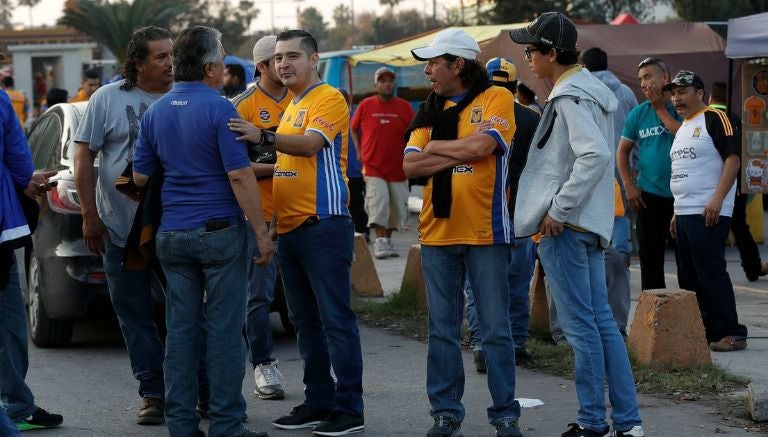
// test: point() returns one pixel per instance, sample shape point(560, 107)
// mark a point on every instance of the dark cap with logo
point(550, 28)
point(685, 78)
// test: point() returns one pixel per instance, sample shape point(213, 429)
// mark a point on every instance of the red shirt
point(383, 126)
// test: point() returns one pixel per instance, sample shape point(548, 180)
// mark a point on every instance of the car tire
point(44, 331)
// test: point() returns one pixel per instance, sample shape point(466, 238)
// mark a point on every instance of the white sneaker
point(269, 381)
point(391, 249)
point(381, 248)
point(636, 431)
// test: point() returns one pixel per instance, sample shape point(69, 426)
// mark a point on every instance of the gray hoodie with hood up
point(569, 173)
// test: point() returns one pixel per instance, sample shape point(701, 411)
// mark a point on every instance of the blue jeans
point(701, 268)
point(519, 274)
point(575, 268)
point(315, 262)
point(132, 301)
point(211, 265)
point(621, 238)
point(445, 269)
point(7, 427)
point(14, 358)
point(261, 293)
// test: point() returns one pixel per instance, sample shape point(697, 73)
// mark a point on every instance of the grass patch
point(399, 314)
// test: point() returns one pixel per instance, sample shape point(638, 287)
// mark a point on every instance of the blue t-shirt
point(185, 132)
point(354, 166)
point(644, 128)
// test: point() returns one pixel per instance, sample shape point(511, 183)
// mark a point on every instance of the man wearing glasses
point(650, 127)
point(566, 194)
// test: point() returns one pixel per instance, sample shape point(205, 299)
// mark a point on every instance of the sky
point(48, 11)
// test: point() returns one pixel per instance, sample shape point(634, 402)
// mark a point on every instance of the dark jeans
point(701, 268)
point(748, 252)
point(131, 296)
point(652, 237)
point(357, 204)
point(315, 262)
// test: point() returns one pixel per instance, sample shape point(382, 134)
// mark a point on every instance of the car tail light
point(63, 198)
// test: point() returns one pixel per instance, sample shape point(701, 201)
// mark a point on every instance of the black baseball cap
point(685, 78)
point(550, 28)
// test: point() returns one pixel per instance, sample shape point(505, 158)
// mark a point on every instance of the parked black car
point(61, 279)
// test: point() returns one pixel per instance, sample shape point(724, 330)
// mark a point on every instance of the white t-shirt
point(701, 146)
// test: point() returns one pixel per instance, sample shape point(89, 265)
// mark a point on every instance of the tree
point(343, 32)
point(311, 20)
point(390, 3)
point(232, 21)
point(714, 10)
point(596, 11)
point(112, 24)
point(7, 7)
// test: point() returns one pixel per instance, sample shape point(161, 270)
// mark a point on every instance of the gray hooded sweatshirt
point(569, 173)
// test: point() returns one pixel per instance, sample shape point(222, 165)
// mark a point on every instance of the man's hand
point(711, 212)
point(247, 129)
point(94, 233)
point(551, 227)
point(672, 227)
point(266, 248)
point(39, 183)
point(634, 197)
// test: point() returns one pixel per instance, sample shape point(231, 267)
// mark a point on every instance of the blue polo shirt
point(185, 133)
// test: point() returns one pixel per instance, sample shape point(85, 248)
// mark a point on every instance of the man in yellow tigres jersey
point(263, 105)
point(315, 236)
point(91, 82)
point(19, 101)
point(460, 140)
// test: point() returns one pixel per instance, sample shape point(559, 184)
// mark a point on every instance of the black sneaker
point(340, 423)
point(200, 433)
point(636, 431)
point(301, 417)
point(480, 361)
point(40, 419)
point(576, 430)
point(508, 428)
point(445, 426)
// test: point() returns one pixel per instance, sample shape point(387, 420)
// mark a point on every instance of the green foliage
point(716, 10)
point(311, 20)
point(112, 24)
point(232, 20)
point(595, 11)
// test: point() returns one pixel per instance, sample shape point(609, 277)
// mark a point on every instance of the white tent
point(747, 37)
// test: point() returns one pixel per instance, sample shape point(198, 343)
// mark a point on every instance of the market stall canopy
point(624, 18)
point(690, 46)
point(398, 54)
point(748, 36)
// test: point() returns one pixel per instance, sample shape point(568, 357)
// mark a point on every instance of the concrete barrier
point(667, 331)
point(413, 277)
point(757, 398)
point(539, 322)
point(364, 279)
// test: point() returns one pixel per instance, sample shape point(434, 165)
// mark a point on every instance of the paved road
point(91, 384)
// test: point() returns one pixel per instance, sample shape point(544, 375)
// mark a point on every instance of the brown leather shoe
point(728, 344)
point(151, 412)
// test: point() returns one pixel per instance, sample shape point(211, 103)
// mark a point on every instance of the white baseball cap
point(453, 41)
point(264, 48)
